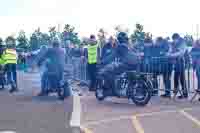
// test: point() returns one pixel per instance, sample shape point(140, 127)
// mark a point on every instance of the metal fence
point(162, 68)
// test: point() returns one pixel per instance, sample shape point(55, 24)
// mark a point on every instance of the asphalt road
point(24, 112)
point(160, 115)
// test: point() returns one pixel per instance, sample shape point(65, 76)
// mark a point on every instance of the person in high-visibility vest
point(10, 57)
point(92, 54)
point(2, 63)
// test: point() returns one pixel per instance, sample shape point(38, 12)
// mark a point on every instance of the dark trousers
point(167, 82)
point(180, 75)
point(167, 72)
point(198, 76)
point(92, 75)
point(11, 72)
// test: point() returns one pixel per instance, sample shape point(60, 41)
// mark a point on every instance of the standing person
point(176, 54)
point(76, 60)
point(195, 53)
point(2, 63)
point(92, 55)
point(10, 57)
point(108, 48)
point(55, 64)
point(165, 67)
point(150, 63)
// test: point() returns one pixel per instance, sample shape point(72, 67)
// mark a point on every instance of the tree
point(22, 40)
point(138, 35)
point(45, 39)
point(188, 39)
point(34, 42)
point(102, 37)
point(52, 32)
point(69, 34)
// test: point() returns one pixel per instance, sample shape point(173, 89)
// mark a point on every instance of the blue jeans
point(198, 76)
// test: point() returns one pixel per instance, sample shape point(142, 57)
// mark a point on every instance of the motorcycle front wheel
point(140, 92)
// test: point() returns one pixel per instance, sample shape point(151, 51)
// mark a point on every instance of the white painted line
point(8, 132)
point(86, 130)
point(137, 125)
point(76, 114)
point(189, 116)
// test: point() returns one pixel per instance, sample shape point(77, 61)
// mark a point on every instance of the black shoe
point(42, 94)
point(154, 94)
point(166, 96)
point(185, 96)
point(92, 90)
point(198, 90)
point(13, 90)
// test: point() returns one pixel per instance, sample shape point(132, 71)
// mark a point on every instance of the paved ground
point(23, 112)
point(161, 115)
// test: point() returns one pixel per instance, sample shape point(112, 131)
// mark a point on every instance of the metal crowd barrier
point(163, 66)
point(158, 66)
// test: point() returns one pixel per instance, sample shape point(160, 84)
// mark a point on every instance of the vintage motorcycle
point(131, 84)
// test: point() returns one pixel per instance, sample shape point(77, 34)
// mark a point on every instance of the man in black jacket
point(127, 60)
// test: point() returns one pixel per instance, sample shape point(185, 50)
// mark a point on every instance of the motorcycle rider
point(56, 62)
point(127, 60)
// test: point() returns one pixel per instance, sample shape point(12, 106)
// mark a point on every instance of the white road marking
point(8, 132)
point(190, 117)
point(86, 130)
point(137, 125)
point(76, 114)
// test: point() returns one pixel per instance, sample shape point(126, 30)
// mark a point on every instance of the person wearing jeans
point(195, 53)
point(176, 54)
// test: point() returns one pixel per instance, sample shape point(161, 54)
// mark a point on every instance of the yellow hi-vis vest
point(10, 56)
point(2, 61)
point(92, 54)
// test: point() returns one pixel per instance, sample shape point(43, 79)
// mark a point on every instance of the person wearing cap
point(92, 54)
point(176, 54)
point(10, 56)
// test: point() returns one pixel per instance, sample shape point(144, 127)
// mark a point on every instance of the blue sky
point(158, 16)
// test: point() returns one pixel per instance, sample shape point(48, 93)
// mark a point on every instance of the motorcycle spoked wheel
point(99, 92)
point(140, 93)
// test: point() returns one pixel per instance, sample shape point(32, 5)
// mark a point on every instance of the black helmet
point(122, 37)
point(175, 36)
